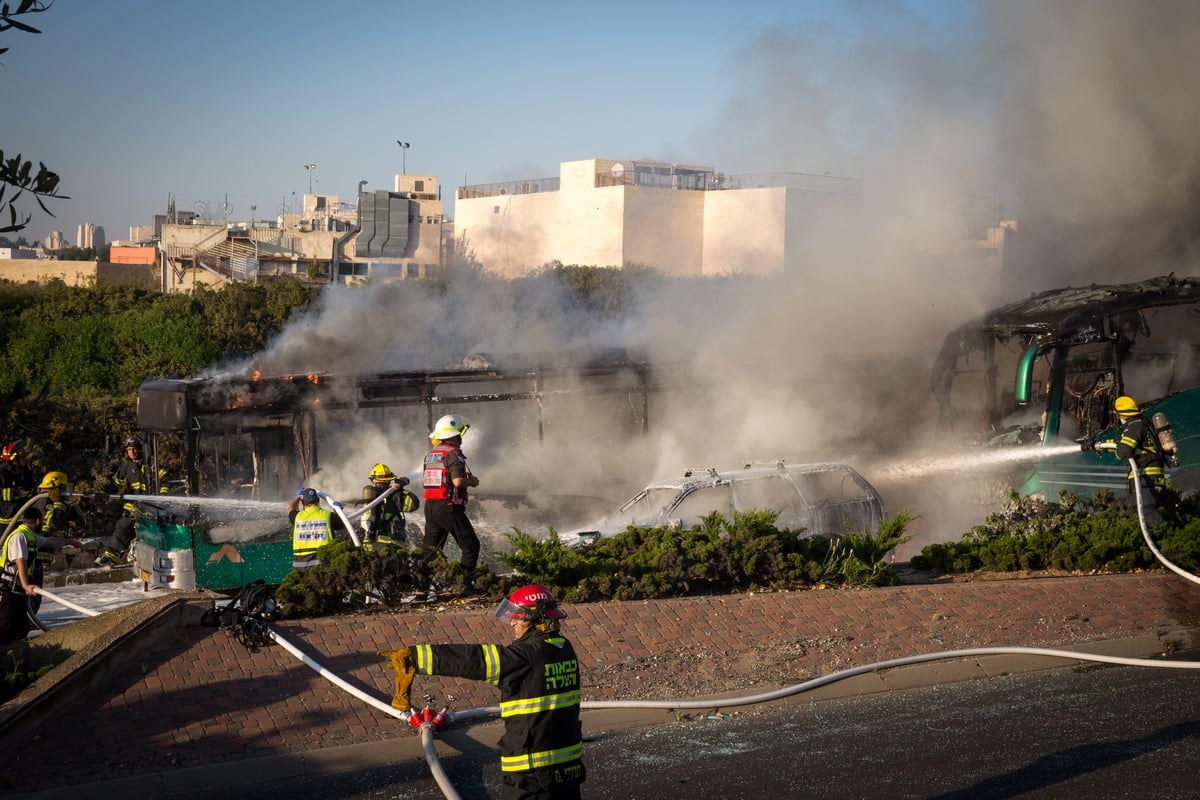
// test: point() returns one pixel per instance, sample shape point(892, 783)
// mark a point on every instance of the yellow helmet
point(53, 480)
point(382, 472)
point(1126, 406)
point(448, 427)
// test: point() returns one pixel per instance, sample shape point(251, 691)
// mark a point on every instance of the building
point(681, 219)
point(147, 256)
point(15, 253)
point(54, 241)
point(90, 235)
point(383, 235)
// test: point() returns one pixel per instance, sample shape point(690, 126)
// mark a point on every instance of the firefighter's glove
point(400, 483)
point(1106, 445)
point(402, 664)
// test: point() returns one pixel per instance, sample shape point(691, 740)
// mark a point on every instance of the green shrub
point(1077, 534)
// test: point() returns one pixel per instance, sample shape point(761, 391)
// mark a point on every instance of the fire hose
point(256, 613)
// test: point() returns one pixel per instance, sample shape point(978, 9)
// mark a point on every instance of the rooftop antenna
point(404, 157)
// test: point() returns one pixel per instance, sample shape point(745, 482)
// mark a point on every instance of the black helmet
point(133, 441)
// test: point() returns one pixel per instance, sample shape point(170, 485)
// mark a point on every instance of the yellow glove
point(401, 662)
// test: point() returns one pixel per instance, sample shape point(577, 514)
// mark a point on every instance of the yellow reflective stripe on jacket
point(424, 659)
point(546, 758)
point(534, 705)
point(491, 661)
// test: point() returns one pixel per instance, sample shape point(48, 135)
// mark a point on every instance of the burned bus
point(1047, 369)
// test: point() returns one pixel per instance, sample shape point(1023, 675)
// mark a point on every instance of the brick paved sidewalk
point(196, 697)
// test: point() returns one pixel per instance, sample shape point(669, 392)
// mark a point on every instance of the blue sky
point(134, 100)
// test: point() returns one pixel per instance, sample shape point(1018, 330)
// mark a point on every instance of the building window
point(414, 270)
point(419, 186)
point(430, 270)
point(495, 209)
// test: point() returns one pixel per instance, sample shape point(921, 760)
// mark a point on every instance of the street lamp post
point(404, 157)
point(310, 168)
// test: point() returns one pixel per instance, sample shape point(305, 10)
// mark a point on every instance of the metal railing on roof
point(686, 180)
point(532, 186)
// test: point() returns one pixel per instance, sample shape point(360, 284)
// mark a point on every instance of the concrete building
point(90, 235)
point(16, 253)
point(383, 235)
point(54, 241)
point(681, 219)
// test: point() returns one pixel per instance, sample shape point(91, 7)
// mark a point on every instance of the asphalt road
point(1094, 732)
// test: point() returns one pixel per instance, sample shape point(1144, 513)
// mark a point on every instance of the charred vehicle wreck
point(1047, 370)
point(256, 438)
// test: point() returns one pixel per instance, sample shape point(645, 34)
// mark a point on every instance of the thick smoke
point(1076, 118)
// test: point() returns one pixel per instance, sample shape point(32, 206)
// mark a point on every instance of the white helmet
point(448, 427)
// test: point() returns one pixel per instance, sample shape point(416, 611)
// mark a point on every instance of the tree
point(16, 173)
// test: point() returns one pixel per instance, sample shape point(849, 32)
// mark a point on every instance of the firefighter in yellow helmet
point(384, 522)
point(57, 513)
point(1138, 441)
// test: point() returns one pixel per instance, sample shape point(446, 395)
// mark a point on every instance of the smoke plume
point(1074, 118)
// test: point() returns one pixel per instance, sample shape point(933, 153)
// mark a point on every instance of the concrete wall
point(680, 232)
point(77, 273)
point(664, 229)
point(744, 231)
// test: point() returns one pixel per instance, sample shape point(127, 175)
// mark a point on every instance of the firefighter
point(16, 479)
point(21, 573)
point(57, 513)
point(445, 481)
point(312, 527)
point(541, 751)
point(133, 476)
point(385, 523)
point(1138, 441)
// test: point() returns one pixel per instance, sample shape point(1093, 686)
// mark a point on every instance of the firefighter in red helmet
point(541, 752)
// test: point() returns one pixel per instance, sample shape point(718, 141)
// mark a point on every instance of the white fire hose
point(448, 790)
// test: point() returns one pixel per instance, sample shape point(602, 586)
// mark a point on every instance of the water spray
point(909, 470)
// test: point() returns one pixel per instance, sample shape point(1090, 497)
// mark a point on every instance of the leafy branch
point(15, 172)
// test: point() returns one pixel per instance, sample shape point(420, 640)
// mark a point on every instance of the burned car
point(821, 499)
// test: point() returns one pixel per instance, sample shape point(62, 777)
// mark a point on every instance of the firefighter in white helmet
point(446, 480)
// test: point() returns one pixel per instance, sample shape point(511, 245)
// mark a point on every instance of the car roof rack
point(777, 463)
point(696, 471)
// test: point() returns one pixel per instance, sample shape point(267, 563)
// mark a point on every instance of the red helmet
point(531, 603)
point(12, 450)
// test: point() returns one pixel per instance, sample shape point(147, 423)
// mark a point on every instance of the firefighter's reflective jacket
point(10, 581)
point(385, 521)
point(1137, 441)
point(443, 464)
point(312, 530)
point(135, 478)
point(538, 677)
point(16, 486)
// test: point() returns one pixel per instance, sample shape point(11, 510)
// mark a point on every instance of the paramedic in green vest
point(312, 527)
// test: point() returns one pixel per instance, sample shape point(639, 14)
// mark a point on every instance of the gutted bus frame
point(282, 414)
point(1073, 351)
